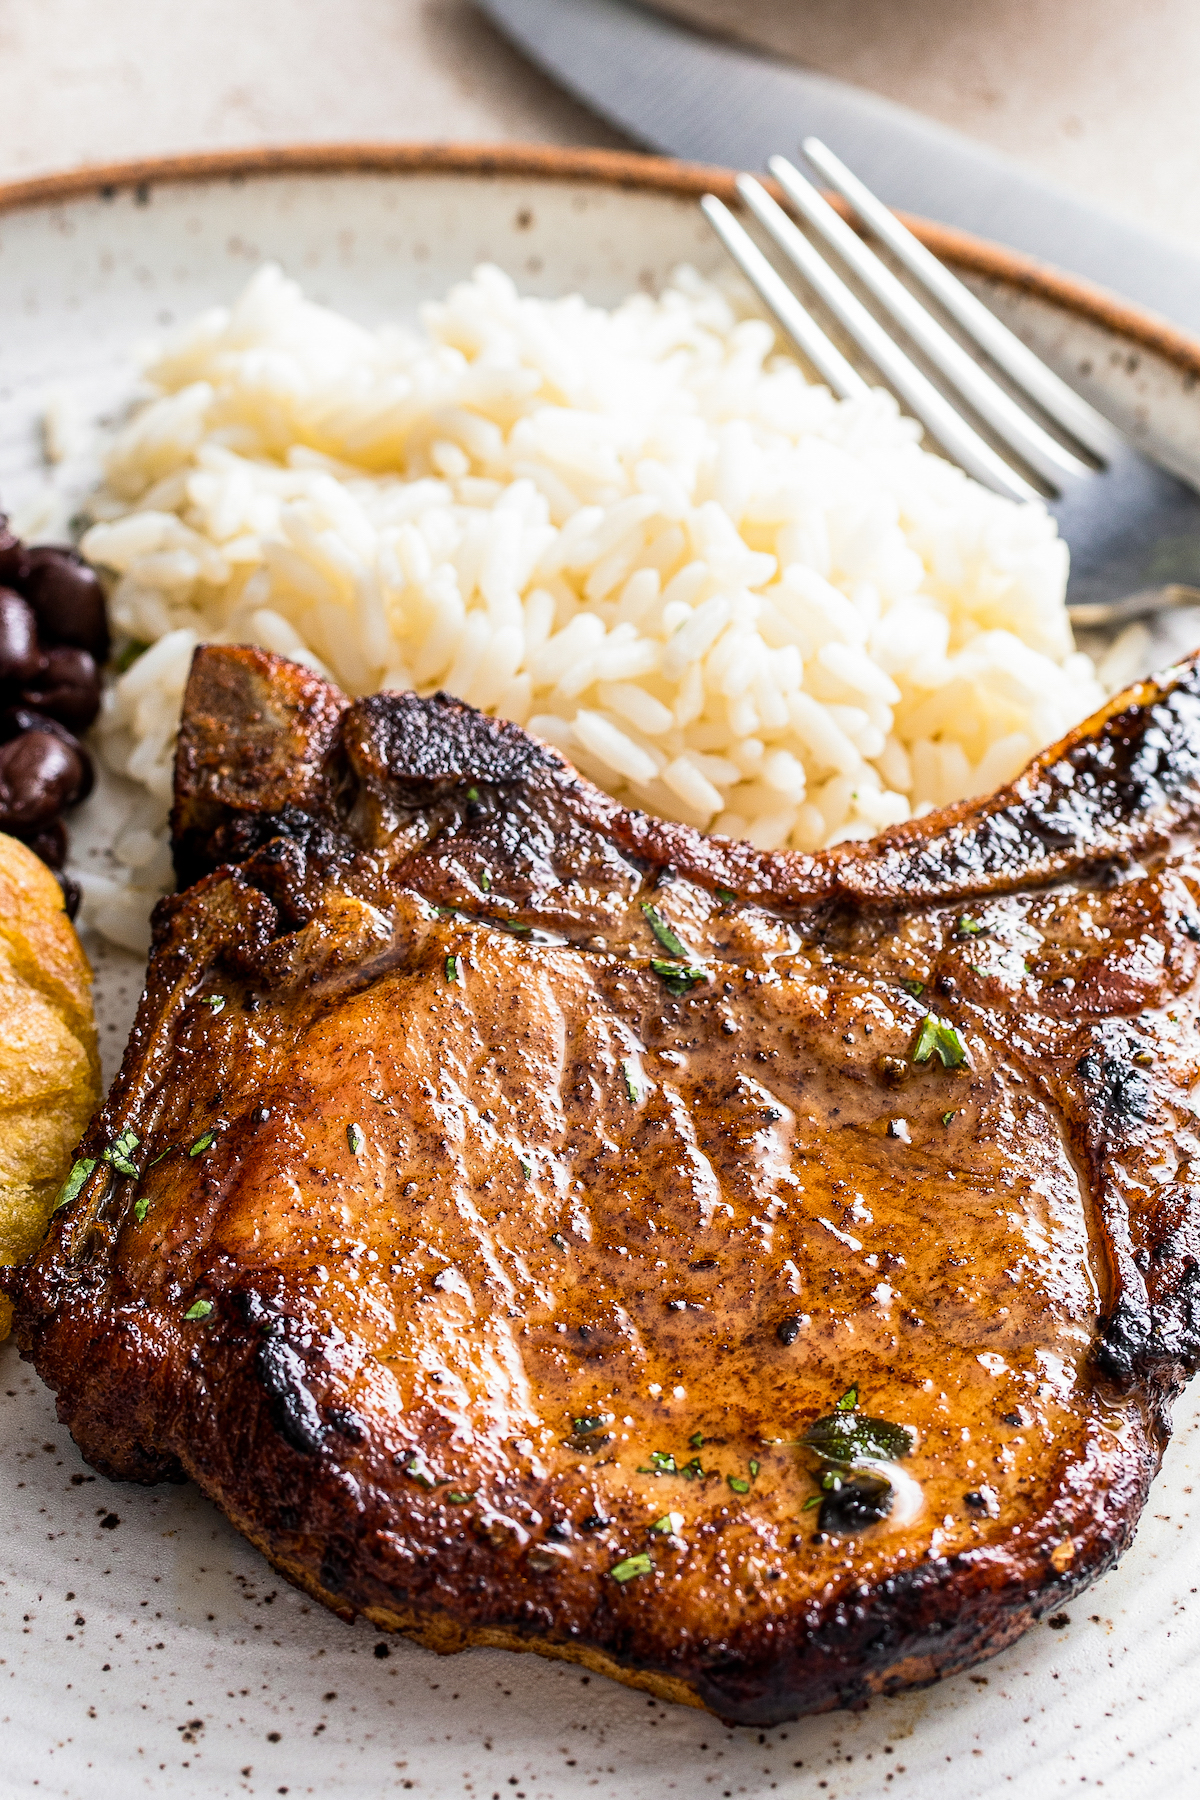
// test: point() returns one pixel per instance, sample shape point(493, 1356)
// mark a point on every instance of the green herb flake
point(937, 1037)
point(141, 1208)
point(663, 932)
point(455, 1499)
point(912, 986)
point(215, 1001)
point(560, 1242)
point(669, 1524)
point(154, 1160)
point(485, 882)
point(969, 927)
point(79, 1172)
point(814, 1500)
point(661, 1463)
point(356, 1137)
point(946, 1117)
point(454, 971)
point(416, 1471)
point(200, 1310)
point(849, 1399)
point(726, 896)
point(126, 658)
point(691, 1471)
point(738, 1483)
point(204, 1142)
point(119, 1152)
point(754, 1471)
point(641, 1564)
point(677, 978)
point(632, 1087)
point(591, 1422)
point(697, 1440)
point(845, 1438)
point(472, 793)
point(526, 1167)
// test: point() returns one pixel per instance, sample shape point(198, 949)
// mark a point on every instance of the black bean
point(49, 842)
point(13, 556)
point(17, 719)
point(20, 657)
point(68, 599)
point(67, 689)
point(39, 775)
point(72, 893)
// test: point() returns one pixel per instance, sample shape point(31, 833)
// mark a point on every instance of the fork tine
point(803, 330)
point(1060, 402)
point(1012, 424)
point(962, 442)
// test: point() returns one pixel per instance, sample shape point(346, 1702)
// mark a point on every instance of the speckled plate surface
point(145, 1649)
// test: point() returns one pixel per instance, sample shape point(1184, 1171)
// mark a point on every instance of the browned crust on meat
point(289, 1425)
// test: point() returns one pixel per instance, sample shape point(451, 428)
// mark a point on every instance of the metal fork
point(1133, 527)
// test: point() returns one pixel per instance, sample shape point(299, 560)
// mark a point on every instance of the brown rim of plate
point(603, 168)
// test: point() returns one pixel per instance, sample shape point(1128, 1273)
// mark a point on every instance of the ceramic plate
point(145, 1649)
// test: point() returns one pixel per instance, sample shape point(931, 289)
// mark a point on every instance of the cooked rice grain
point(728, 597)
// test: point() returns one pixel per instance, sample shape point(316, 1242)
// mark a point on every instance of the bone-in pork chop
point(762, 1278)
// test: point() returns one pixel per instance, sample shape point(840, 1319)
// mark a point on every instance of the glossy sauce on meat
point(517, 1180)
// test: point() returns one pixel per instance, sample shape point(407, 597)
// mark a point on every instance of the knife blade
point(676, 91)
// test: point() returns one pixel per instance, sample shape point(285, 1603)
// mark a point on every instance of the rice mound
point(729, 598)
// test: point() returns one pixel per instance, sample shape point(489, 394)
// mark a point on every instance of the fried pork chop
point(761, 1278)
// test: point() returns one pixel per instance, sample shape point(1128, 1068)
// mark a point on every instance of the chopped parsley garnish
point(738, 1484)
point(119, 1152)
point(663, 932)
point(691, 1471)
point(946, 1117)
point(669, 1523)
point(969, 927)
point(204, 1142)
point(200, 1310)
point(912, 986)
point(456, 1499)
point(753, 1471)
point(677, 978)
point(697, 1440)
point(629, 1070)
point(454, 971)
point(485, 882)
point(472, 793)
point(513, 925)
point(157, 1159)
point(661, 1463)
point(356, 1137)
point(844, 1438)
point(641, 1564)
point(128, 656)
point(559, 1241)
point(215, 1001)
point(417, 1472)
point(853, 1497)
point(80, 1169)
point(141, 1208)
point(526, 1167)
point(591, 1422)
point(937, 1037)
point(726, 895)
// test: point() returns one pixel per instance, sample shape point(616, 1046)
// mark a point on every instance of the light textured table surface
point(1099, 95)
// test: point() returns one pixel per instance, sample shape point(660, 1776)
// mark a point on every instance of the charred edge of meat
point(1106, 792)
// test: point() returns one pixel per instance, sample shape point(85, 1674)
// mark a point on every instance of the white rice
point(729, 598)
